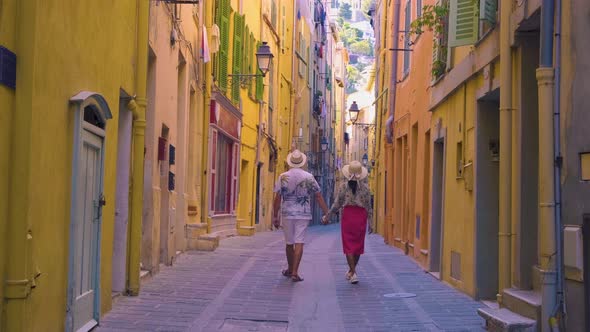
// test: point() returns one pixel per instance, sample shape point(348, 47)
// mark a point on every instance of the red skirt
point(353, 229)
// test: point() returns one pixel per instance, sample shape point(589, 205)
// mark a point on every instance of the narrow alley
point(239, 287)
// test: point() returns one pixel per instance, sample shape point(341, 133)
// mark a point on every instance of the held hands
point(326, 219)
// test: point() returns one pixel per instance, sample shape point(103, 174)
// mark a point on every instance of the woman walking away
point(354, 197)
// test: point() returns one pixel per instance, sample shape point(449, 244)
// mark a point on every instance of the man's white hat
point(354, 171)
point(296, 159)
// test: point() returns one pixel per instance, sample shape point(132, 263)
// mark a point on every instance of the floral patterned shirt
point(346, 197)
point(296, 186)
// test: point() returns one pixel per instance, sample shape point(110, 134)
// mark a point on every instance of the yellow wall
point(63, 48)
point(7, 100)
point(457, 114)
point(411, 123)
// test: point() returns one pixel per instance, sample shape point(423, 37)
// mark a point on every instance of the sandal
point(348, 275)
point(296, 278)
point(286, 273)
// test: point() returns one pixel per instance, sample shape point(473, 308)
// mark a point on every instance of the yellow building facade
point(486, 176)
point(173, 133)
point(74, 79)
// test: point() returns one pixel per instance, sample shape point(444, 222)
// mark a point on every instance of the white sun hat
point(296, 159)
point(354, 171)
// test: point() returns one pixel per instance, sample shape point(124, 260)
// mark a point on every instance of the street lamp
point(324, 144)
point(365, 159)
point(264, 60)
point(354, 116)
point(354, 112)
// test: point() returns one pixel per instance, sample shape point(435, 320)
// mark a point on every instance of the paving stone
point(239, 287)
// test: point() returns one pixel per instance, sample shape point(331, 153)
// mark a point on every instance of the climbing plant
point(433, 18)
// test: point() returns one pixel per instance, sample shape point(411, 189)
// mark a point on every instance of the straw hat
point(354, 171)
point(296, 159)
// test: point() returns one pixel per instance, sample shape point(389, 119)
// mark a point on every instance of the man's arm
point(276, 206)
point(323, 205)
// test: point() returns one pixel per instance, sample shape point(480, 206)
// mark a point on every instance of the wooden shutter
point(259, 81)
point(224, 44)
point(246, 40)
point(273, 13)
point(464, 22)
point(488, 10)
point(418, 8)
point(283, 29)
point(251, 58)
point(237, 55)
point(213, 169)
point(235, 176)
point(407, 22)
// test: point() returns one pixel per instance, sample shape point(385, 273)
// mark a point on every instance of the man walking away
point(292, 196)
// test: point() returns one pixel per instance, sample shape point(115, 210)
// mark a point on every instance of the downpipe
point(557, 319)
point(393, 73)
point(550, 229)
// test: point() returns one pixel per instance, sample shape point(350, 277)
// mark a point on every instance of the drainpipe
point(393, 72)
point(505, 190)
point(138, 107)
point(559, 310)
point(547, 212)
point(208, 78)
point(258, 138)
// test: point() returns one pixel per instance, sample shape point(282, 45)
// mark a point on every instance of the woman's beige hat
point(296, 159)
point(354, 171)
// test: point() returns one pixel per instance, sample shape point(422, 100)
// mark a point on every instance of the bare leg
point(290, 255)
point(351, 263)
point(356, 260)
point(298, 253)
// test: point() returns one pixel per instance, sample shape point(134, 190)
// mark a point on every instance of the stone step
point(504, 320)
point(208, 242)
point(523, 302)
point(246, 230)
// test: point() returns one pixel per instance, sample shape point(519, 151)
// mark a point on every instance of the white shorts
point(295, 230)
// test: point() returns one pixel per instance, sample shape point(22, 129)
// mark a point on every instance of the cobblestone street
point(239, 287)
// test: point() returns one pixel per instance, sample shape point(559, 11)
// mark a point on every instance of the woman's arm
point(337, 205)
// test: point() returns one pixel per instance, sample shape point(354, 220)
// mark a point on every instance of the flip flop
point(286, 273)
point(296, 278)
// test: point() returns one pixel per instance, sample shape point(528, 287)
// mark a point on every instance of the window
point(407, 22)
point(259, 80)
point(464, 22)
point(273, 13)
point(440, 48)
point(488, 12)
point(223, 174)
point(237, 55)
point(418, 8)
point(222, 16)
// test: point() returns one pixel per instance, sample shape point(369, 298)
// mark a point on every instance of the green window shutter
point(224, 45)
point(216, 60)
point(488, 10)
point(237, 55)
point(246, 41)
point(252, 57)
point(259, 81)
point(464, 22)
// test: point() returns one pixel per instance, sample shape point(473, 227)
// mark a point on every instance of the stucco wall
point(50, 72)
point(575, 85)
point(7, 99)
